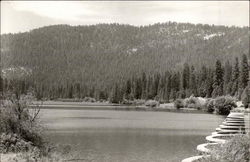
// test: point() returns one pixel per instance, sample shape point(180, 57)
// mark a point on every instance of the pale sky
point(21, 16)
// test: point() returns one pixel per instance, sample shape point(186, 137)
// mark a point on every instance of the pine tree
point(156, 84)
point(185, 76)
point(168, 88)
point(202, 82)
point(193, 84)
point(161, 88)
point(144, 85)
point(244, 73)
point(115, 95)
point(235, 78)
point(138, 88)
point(246, 96)
point(175, 85)
point(1, 84)
point(128, 89)
point(218, 80)
point(149, 88)
point(227, 78)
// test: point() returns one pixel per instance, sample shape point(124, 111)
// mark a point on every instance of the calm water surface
point(129, 136)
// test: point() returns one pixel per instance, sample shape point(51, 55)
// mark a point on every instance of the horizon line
point(112, 23)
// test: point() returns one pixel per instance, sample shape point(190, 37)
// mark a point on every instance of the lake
point(129, 136)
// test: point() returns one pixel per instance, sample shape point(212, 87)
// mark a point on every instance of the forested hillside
point(79, 61)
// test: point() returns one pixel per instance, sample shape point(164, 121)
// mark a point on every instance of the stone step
point(215, 139)
point(203, 147)
point(233, 123)
point(234, 119)
point(235, 127)
point(192, 159)
point(228, 131)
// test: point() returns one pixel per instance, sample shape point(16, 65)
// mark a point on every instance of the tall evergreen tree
point(227, 78)
point(1, 84)
point(161, 88)
point(128, 89)
point(138, 88)
point(115, 95)
point(144, 85)
point(168, 88)
point(156, 84)
point(244, 73)
point(202, 89)
point(218, 80)
point(185, 76)
point(235, 77)
point(193, 83)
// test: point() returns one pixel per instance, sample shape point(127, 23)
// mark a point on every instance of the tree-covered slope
point(103, 54)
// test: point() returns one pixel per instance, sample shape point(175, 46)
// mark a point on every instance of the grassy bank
point(236, 149)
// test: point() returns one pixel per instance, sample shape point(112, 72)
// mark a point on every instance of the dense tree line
point(205, 82)
point(222, 79)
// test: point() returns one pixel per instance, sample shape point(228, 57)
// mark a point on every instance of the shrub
point(236, 149)
point(13, 143)
point(179, 103)
point(151, 103)
point(210, 105)
point(190, 102)
point(89, 99)
point(224, 104)
point(139, 102)
point(195, 102)
point(18, 122)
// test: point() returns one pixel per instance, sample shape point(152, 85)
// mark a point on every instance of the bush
point(210, 105)
point(224, 104)
point(14, 143)
point(195, 102)
point(89, 99)
point(179, 103)
point(151, 103)
point(139, 102)
point(18, 122)
point(236, 149)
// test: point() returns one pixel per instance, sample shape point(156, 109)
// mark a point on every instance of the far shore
point(169, 107)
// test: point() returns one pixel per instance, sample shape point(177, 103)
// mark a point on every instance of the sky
point(22, 16)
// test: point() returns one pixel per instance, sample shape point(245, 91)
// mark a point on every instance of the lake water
point(129, 136)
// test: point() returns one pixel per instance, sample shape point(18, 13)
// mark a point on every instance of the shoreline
point(107, 106)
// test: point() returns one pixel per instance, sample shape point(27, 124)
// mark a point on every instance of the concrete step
point(235, 127)
point(203, 147)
